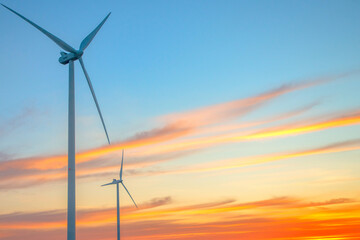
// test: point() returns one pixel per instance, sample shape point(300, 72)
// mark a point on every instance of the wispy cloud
point(57, 218)
point(16, 171)
point(229, 110)
point(178, 137)
point(15, 122)
point(159, 219)
point(247, 161)
point(226, 164)
point(349, 118)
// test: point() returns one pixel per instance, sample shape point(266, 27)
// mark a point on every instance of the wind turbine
point(69, 57)
point(117, 194)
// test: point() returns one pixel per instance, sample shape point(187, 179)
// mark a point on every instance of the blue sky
point(153, 59)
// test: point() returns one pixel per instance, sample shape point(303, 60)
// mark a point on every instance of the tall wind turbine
point(69, 57)
point(117, 194)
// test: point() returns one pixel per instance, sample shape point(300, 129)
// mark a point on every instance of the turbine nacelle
point(67, 57)
point(116, 181)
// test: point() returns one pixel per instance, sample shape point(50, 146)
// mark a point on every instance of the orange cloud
point(347, 119)
point(15, 174)
point(229, 110)
point(226, 164)
point(169, 141)
point(241, 162)
point(269, 219)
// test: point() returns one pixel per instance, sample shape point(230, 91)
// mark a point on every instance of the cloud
point(15, 122)
point(222, 164)
point(286, 218)
point(175, 139)
point(40, 170)
point(4, 156)
point(227, 111)
point(156, 202)
point(349, 118)
point(57, 218)
point(330, 202)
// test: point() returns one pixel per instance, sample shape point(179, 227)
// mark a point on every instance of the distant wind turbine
point(69, 57)
point(117, 194)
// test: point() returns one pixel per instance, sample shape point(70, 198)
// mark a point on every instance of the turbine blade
point(85, 43)
point(122, 160)
point(93, 94)
point(57, 40)
point(107, 184)
point(129, 194)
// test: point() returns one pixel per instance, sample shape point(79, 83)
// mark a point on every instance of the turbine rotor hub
point(65, 58)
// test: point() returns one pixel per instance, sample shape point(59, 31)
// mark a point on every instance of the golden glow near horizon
point(339, 215)
point(336, 215)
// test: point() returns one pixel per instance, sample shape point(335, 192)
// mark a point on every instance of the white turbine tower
point(69, 58)
point(117, 194)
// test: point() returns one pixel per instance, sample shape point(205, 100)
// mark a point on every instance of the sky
point(239, 119)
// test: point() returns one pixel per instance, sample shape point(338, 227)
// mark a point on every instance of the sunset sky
point(239, 119)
